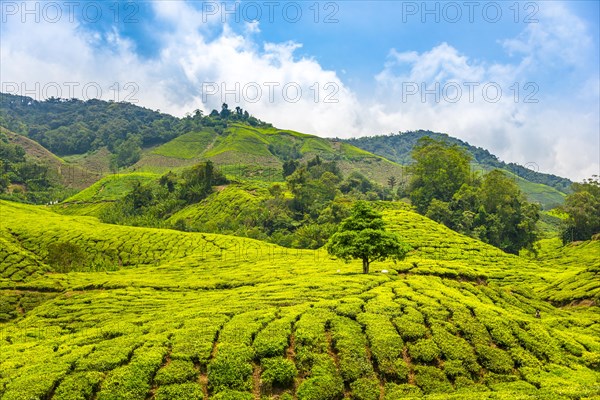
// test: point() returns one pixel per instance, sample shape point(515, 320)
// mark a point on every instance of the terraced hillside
point(160, 314)
point(69, 174)
point(246, 151)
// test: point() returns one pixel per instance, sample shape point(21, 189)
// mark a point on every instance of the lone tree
point(363, 236)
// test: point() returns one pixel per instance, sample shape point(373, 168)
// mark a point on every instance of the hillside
point(163, 314)
point(88, 135)
point(244, 151)
point(68, 174)
point(547, 189)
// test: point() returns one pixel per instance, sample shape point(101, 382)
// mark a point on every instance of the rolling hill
point(546, 189)
point(161, 314)
point(86, 136)
point(245, 151)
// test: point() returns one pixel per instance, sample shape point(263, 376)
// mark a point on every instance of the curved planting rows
point(273, 326)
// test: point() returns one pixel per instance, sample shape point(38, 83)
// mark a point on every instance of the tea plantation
point(96, 311)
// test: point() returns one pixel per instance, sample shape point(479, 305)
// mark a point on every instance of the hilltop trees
point(583, 207)
point(15, 168)
point(439, 171)
point(363, 236)
point(490, 208)
point(504, 218)
point(149, 204)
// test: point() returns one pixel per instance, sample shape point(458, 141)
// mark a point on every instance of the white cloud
point(196, 50)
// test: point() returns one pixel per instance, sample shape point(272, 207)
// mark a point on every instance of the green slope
point(111, 188)
point(576, 269)
point(243, 152)
point(171, 312)
point(546, 189)
point(187, 146)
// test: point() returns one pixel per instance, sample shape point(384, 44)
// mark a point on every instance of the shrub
point(231, 368)
point(394, 391)
point(386, 345)
point(492, 378)
point(351, 344)
point(424, 350)
point(80, 385)
point(432, 380)
point(350, 307)
point(278, 372)
point(182, 391)
point(133, 380)
point(273, 340)
point(454, 368)
point(410, 330)
point(232, 395)
point(108, 355)
point(592, 359)
point(324, 387)
point(177, 371)
point(494, 359)
point(365, 389)
point(537, 340)
point(523, 358)
point(452, 347)
point(195, 341)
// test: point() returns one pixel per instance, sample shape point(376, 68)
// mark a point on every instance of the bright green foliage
point(278, 372)
point(189, 145)
point(494, 359)
point(394, 391)
point(111, 187)
point(432, 380)
point(78, 386)
point(362, 236)
point(386, 345)
point(132, 381)
point(232, 395)
point(452, 347)
point(322, 387)
point(410, 330)
point(109, 354)
point(195, 340)
point(274, 338)
point(439, 171)
point(424, 350)
point(574, 271)
point(231, 314)
point(583, 209)
point(365, 389)
point(351, 346)
point(183, 391)
point(231, 368)
point(177, 371)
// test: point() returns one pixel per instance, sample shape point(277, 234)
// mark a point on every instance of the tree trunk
point(365, 265)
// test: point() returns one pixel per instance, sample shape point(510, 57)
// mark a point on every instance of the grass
point(187, 146)
point(112, 187)
point(547, 196)
point(164, 314)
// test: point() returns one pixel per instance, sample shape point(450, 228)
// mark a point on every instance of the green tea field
point(96, 311)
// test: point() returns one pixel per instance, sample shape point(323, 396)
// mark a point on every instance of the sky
point(521, 79)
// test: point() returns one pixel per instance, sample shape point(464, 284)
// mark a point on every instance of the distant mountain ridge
point(397, 147)
point(87, 135)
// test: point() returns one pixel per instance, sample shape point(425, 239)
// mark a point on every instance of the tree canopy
point(363, 236)
point(439, 171)
point(491, 208)
point(583, 208)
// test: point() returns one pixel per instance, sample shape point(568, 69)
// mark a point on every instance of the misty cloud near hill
point(556, 130)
